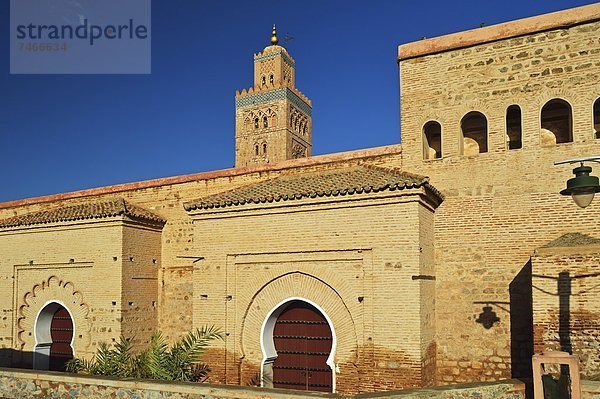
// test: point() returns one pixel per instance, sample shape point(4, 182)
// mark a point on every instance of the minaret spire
point(274, 39)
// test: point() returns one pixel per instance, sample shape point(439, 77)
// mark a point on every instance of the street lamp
point(582, 187)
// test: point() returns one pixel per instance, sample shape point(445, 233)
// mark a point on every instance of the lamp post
point(582, 187)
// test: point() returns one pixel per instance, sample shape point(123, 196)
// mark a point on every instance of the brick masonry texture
point(419, 292)
point(500, 205)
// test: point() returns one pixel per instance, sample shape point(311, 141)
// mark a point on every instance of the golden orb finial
point(274, 39)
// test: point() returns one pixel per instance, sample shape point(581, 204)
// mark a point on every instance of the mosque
point(449, 257)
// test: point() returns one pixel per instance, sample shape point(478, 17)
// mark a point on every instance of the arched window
point(597, 119)
point(432, 140)
point(256, 149)
point(556, 123)
point(264, 81)
point(514, 130)
point(256, 123)
point(265, 149)
point(271, 79)
point(474, 133)
point(265, 121)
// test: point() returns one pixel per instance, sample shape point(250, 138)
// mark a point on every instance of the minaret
point(272, 119)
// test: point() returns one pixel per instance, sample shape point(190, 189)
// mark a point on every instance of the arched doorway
point(54, 337)
point(301, 341)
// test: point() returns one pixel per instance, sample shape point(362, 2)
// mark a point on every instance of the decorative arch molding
point(285, 288)
point(53, 290)
point(559, 94)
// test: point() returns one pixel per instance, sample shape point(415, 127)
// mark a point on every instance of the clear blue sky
point(67, 132)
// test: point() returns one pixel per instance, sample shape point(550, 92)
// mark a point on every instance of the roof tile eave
point(84, 211)
point(344, 181)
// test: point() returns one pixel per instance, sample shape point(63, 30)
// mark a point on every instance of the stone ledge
point(168, 387)
point(14, 383)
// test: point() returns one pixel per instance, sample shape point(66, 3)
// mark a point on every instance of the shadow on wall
point(564, 282)
point(12, 358)
point(15, 358)
point(521, 323)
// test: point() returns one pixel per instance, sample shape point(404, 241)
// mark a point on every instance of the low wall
point(18, 384)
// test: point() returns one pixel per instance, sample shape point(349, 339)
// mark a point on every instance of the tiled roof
point(91, 210)
point(347, 181)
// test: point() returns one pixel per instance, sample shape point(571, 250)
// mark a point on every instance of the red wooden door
point(303, 343)
point(61, 332)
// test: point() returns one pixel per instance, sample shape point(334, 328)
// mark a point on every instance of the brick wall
point(500, 205)
point(139, 297)
point(356, 258)
point(173, 249)
point(78, 264)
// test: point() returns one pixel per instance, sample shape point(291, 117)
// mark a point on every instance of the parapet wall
point(16, 384)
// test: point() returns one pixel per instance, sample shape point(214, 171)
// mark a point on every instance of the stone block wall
point(16, 384)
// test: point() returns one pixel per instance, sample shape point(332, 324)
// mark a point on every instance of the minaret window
point(266, 118)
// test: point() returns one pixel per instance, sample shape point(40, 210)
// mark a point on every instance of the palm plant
point(161, 361)
point(116, 361)
point(180, 361)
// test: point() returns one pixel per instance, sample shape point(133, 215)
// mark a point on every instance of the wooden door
point(61, 332)
point(303, 342)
